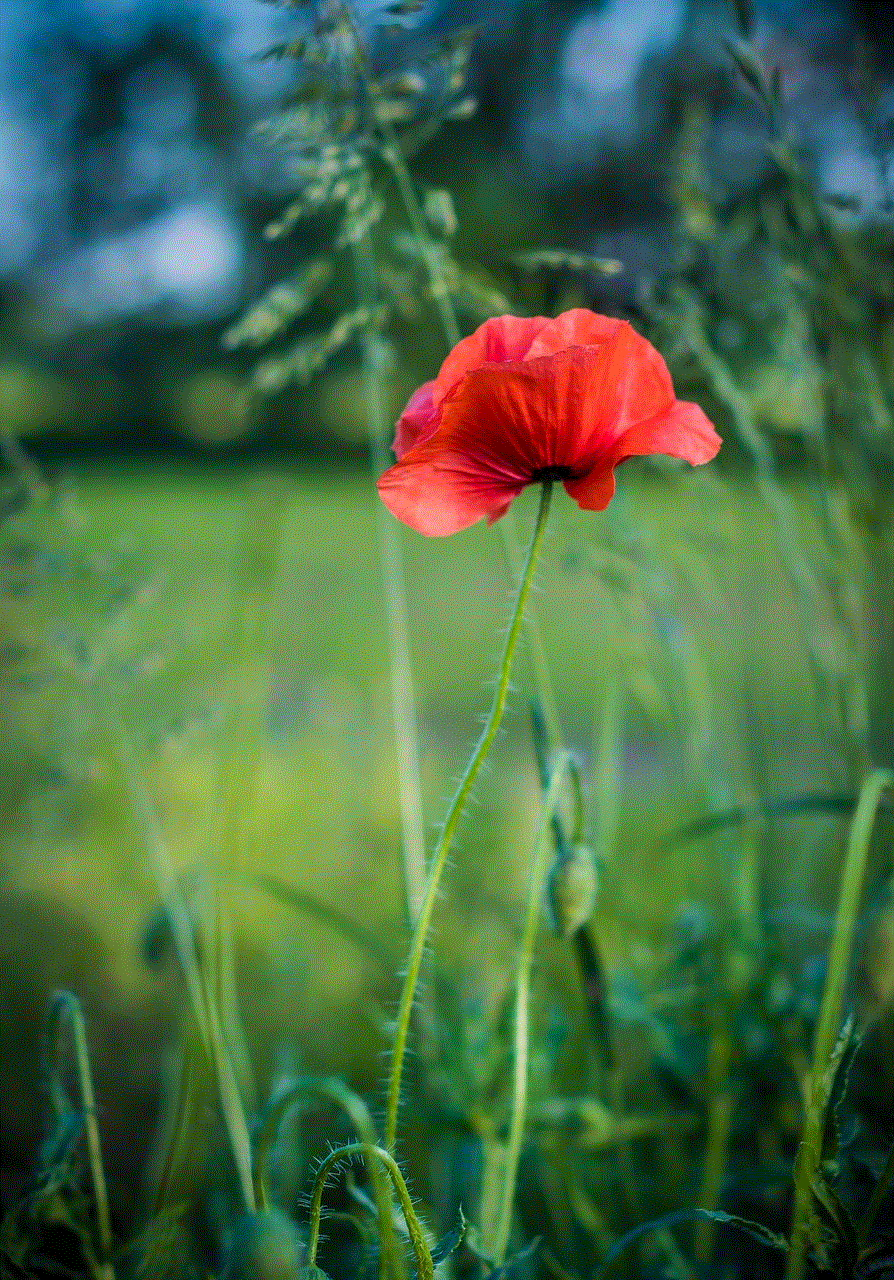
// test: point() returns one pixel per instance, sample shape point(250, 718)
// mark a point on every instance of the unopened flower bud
point(264, 1246)
point(572, 889)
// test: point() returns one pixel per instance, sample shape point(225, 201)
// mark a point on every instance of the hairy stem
point(536, 885)
point(358, 1113)
point(439, 858)
point(424, 1265)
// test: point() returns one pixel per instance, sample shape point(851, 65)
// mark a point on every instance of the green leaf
point(57, 1149)
point(756, 1230)
point(330, 916)
point(744, 57)
point(837, 1218)
point(766, 807)
point(878, 1257)
point(847, 1045)
point(521, 1255)
point(451, 1241)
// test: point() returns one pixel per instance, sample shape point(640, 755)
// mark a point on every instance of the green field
point(671, 630)
point(234, 622)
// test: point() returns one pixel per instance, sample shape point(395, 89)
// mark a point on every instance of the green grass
point(683, 607)
point(262, 730)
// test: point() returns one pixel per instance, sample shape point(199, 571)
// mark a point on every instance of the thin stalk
point(403, 695)
point(818, 1085)
point(404, 182)
point(424, 1265)
point(534, 641)
point(420, 933)
point(536, 885)
point(358, 1113)
point(65, 1006)
point(200, 999)
point(720, 1113)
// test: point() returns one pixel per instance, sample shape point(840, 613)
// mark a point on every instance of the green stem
point(439, 858)
point(65, 1006)
point(424, 1265)
point(522, 996)
point(818, 1085)
point(358, 1113)
point(397, 164)
point(720, 1114)
point(403, 696)
point(534, 641)
point(200, 999)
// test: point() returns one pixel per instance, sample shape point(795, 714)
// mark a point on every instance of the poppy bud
point(265, 1246)
point(572, 889)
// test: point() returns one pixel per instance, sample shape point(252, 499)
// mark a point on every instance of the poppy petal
point(522, 400)
point(497, 341)
point(636, 384)
point(593, 492)
point(682, 432)
point(417, 421)
point(498, 429)
point(440, 492)
point(575, 328)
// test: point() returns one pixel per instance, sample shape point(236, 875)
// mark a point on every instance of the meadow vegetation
point(206, 813)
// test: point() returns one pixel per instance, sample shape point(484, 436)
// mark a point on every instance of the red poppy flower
point(526, 400)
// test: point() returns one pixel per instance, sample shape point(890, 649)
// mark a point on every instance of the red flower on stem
point(521, 401)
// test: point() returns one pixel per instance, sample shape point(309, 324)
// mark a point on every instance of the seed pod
point(573, 884)
point(265, 1246)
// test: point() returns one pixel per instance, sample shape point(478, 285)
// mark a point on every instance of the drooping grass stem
point(66, 1007)
point(536, 887)
point(424, 1265)
point(818, 1085)
point(358, 1114)
point(460, 797)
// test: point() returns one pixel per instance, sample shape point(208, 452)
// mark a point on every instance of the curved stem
point(358, 1113)
point(522, 994)
point(65, 1006)
point(818, 1085)
point(424, 1265)
point(439, 858)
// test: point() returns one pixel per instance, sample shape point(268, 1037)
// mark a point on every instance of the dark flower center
point(552, 473)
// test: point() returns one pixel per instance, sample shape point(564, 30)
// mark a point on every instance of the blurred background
point(206, 555)
point(135, 191)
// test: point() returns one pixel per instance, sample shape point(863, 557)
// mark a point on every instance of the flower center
point(551, 473)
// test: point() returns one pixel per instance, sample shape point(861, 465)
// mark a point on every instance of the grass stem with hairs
point(448, 831)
